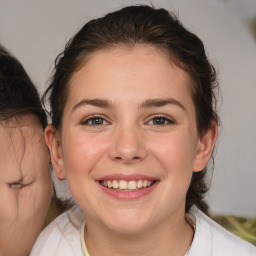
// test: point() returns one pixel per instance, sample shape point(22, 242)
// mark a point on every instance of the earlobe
point(53, 142)
point(205, 148)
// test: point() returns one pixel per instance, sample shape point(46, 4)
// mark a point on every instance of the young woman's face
point(25, 185)
point(128, 144)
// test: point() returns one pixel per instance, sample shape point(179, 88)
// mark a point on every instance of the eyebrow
point(160, 103)
point(101, 103)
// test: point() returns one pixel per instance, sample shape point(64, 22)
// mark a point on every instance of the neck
point(168, 237)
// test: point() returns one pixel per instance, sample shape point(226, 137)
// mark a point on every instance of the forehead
point(22, 120)
point(141, 68)
point(18, 133)
point(22, 146)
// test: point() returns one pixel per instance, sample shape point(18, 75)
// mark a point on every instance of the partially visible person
point(25, 182)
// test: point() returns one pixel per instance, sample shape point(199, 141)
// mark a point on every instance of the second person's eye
point(16, 185)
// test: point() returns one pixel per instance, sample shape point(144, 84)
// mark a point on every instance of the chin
point(128, 223)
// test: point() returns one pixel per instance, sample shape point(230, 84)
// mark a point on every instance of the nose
point(128, 145)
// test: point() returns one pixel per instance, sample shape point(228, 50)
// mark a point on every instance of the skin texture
point(127, 141)
point(24, 203)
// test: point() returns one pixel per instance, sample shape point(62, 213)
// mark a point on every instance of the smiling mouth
point(123, 185)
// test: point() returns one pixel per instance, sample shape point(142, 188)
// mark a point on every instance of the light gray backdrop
point(36, 31)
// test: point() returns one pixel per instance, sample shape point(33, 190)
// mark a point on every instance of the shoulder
point(212, 239)
point(61, 236)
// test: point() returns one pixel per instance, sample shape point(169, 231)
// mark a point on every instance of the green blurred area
point(242, 227)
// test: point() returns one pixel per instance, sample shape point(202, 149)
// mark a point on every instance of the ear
point(205, 147)
point(53, 142)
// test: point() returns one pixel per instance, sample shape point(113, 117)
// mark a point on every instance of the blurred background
point(36, 32)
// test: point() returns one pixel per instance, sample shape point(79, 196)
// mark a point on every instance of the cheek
point(21, 218)
point(36, 197)
point(42, 190)
point(176, 153)
point(28, 203)
point(9, 205)
point(38, 205)
point(81, 153)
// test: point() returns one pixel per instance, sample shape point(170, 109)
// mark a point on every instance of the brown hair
point(18, 95)
point(131, 26)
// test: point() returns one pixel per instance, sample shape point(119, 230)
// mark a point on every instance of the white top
point(63, 236)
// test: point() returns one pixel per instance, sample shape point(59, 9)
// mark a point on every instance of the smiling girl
point(133, 127)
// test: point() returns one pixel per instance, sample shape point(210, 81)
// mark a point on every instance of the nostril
point(128, 159)
point(132, 158)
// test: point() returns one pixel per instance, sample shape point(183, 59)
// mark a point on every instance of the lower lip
point(128, 195)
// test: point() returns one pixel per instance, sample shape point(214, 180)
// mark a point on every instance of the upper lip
point(126, 177)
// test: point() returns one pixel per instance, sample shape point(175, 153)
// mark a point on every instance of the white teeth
point(115, 184)
point(145, 183)
point(132, 184)
point(123, 184)
point(127, 185)
point(139, 184)
point(109, 184)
